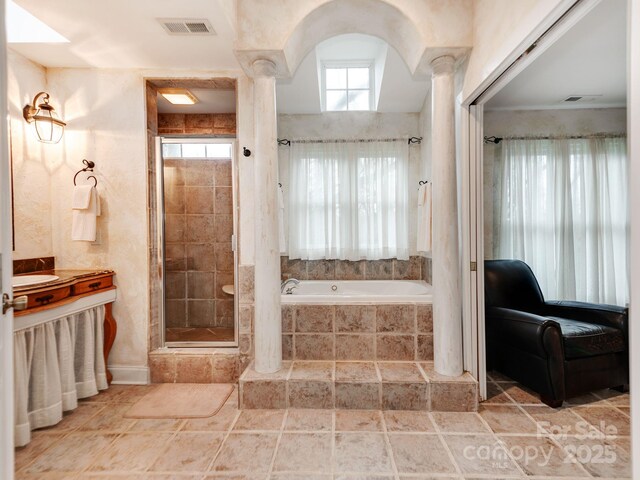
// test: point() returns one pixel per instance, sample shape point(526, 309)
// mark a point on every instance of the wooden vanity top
point(71, 285)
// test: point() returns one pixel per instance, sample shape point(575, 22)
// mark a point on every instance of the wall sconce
point(48, 126)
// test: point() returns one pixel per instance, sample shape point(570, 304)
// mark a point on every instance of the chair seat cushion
point(583, 339)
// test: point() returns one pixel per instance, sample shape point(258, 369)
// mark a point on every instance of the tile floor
point(199, 334)
point(512, 436)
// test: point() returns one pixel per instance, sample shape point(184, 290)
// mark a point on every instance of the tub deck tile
point(358, 385)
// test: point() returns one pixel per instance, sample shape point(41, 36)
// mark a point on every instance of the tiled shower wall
point(198, 228)
point(197, 124)
point(416, 268)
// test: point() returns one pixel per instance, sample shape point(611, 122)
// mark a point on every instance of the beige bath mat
point(181, 400)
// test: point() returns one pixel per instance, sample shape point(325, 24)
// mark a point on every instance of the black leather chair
point(559, 349)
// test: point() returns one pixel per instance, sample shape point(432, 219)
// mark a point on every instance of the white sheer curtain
point(56, 363)
point(349, 200)
point(561, 206)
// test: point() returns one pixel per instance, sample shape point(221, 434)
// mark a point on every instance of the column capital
point(443, 65)
point(263, 67)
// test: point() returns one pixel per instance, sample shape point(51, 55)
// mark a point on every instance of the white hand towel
point(424, 218)
point(83, 223)
point(81, 196)
point(281, 235)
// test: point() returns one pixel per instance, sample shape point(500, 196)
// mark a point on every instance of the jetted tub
point(359, 291)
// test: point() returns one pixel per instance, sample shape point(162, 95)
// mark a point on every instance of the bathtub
point(338, 292)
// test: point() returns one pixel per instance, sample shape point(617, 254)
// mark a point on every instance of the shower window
point(196, 150)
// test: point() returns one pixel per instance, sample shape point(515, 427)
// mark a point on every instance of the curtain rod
point(410, 140)
point(497, 140)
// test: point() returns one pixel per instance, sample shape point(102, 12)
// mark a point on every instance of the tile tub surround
point(358, 385)
point(388, 269)
point(96, 441)
point(401, 332)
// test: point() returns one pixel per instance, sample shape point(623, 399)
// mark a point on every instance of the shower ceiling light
point(49, 127)
point(178, 96)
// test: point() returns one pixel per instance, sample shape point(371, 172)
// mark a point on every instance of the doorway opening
point(191, 127)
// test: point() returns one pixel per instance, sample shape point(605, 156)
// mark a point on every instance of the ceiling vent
point(582, 98)
point(187, 26)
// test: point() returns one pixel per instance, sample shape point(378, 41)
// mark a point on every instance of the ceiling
point(589, 60)
point(126, 34)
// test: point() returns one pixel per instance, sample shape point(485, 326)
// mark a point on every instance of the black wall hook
point(246, 152)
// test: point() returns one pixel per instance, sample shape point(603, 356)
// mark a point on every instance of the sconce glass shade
point(49, 127)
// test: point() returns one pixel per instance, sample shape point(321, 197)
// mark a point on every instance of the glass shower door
point(198, 254)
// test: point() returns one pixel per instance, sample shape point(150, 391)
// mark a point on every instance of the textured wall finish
point(107, 125)
point(498, 27)
point(410, 27)
point(32, 162)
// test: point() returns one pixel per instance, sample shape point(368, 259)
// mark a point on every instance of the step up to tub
point(364, 332)
point(358, 385)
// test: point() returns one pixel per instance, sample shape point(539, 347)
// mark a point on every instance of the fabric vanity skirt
point(56, 363)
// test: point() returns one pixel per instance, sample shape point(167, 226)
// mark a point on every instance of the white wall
point(509, 123)
point(105, 115)
point(499, 26)
point(355, 125)
point(32, 164)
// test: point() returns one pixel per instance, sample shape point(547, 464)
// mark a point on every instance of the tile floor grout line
point(452, 459)
point(224, 440)
point(387, 440)
point(161, 449)
point(333, 443)
point(51, 445)
point(102, 452)
point(591, 425)
point(277, 447)
point(552, 438)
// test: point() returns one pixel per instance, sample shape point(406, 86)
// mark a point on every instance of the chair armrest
point(532, 333)
point(601, 314)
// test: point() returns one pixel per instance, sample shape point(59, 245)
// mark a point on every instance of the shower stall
point(196, 228)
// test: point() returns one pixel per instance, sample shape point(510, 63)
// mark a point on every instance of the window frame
point(370, 64)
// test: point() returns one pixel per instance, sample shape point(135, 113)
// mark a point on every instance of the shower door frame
point(160, 232)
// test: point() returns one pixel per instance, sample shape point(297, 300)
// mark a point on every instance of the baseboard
point(129, 375)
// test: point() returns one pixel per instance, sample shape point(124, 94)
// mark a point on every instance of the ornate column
point(447, 299)
point(268, 326)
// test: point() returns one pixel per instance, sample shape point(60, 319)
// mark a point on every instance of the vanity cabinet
point(50, 300)
point(63, 338)
point(93, 284)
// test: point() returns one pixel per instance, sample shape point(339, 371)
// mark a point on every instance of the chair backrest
point(511, 284)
